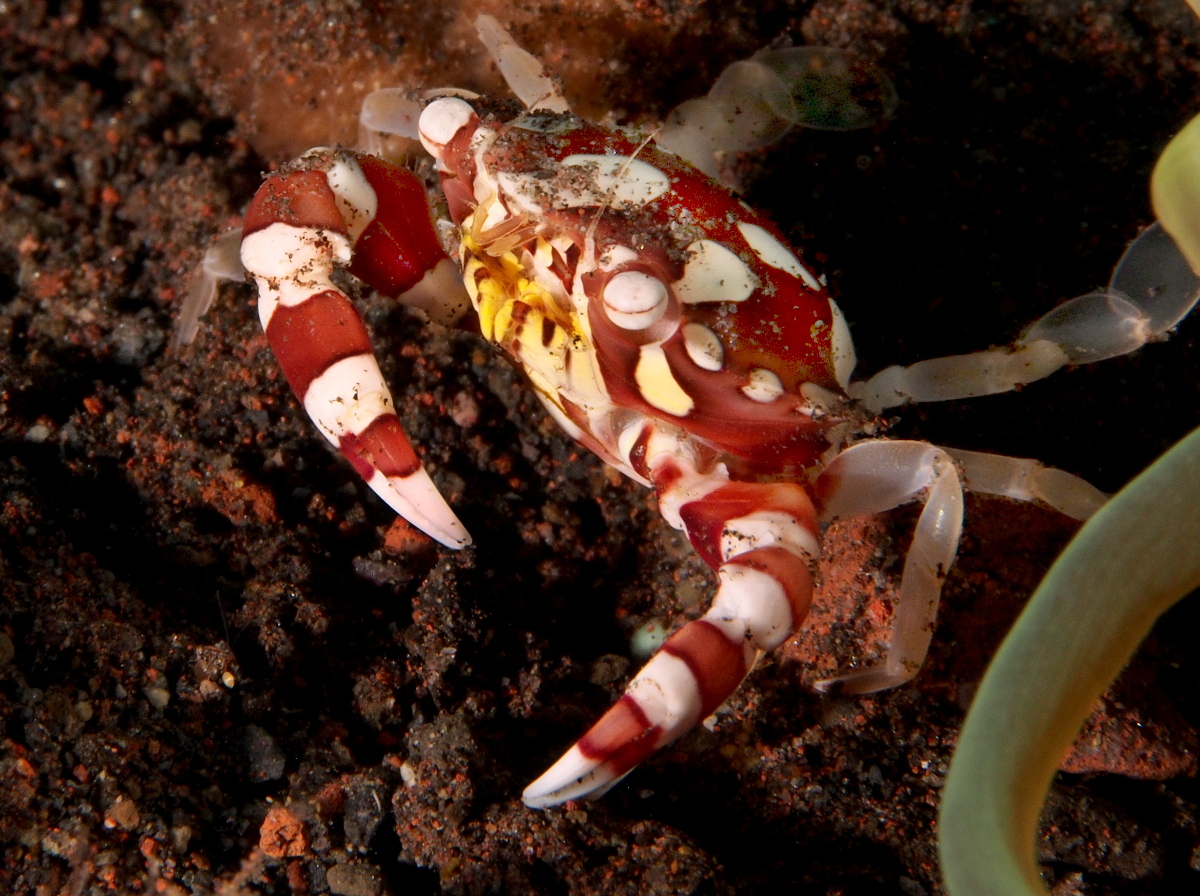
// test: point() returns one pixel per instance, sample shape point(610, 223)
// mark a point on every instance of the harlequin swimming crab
point(668, 327)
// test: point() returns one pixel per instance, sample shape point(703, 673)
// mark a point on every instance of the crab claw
point(762, 596)
point(659, 705)
point(300, 225)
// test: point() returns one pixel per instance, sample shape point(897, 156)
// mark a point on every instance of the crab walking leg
point(872, 477)
point(522, 71)
point(1024, 479)
point(300, 225)
point(761, 538)
point(1151, 291)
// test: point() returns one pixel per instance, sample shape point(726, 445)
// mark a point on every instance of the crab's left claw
point(300, 225)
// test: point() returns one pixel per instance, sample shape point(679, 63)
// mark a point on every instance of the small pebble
point(265, 761)
point(37, 433)
point(354, 880)
point(647, 639)
point(158, 697)
point(122, 814)
point(464, 410)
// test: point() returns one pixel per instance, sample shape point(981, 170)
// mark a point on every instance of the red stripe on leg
point(301, 199)
point(309, 337)
point(623, 737)
point(706, 518)
point(717, 663)
point(400, 245)
point(382, 446)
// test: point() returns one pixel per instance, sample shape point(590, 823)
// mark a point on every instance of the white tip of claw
point(417, 499)
point(441, 120)
point(573, 777)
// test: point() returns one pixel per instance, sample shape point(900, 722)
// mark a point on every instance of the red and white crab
point(668, 327)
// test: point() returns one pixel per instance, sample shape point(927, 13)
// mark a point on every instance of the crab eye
point(634, 300)
point(441, 120)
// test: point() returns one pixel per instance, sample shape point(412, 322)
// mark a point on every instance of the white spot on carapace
point(616, 255)
point(714, 273)
point(634, 300)
point(763, 386)
point(703, 346)
point(347, 397)
point(775, 253)
point(440, 121)
point(657, 384)
point(521, 190)
point(291, 264)
point(842, 347)
point(623, 180)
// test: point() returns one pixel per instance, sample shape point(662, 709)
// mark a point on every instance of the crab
point(669, 328)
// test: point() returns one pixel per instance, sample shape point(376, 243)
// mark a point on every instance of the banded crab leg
point(333, 208)
point(761, 539)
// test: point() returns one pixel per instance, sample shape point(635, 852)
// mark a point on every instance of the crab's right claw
point(299, 226)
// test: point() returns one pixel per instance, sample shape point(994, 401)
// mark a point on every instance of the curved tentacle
point(334, 208)
point(1126, 566)
point(760, 538)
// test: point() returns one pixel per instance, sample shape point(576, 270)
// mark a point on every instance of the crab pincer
point(335, 208)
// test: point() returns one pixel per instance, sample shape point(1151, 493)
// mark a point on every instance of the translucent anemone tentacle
point(1130, 562)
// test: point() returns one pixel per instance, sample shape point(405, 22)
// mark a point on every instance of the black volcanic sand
point(224, 670)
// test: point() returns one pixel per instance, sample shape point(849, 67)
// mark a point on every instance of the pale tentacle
point(756, 101)
point(760, 537)
point(334, 208)
point(872, 477)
